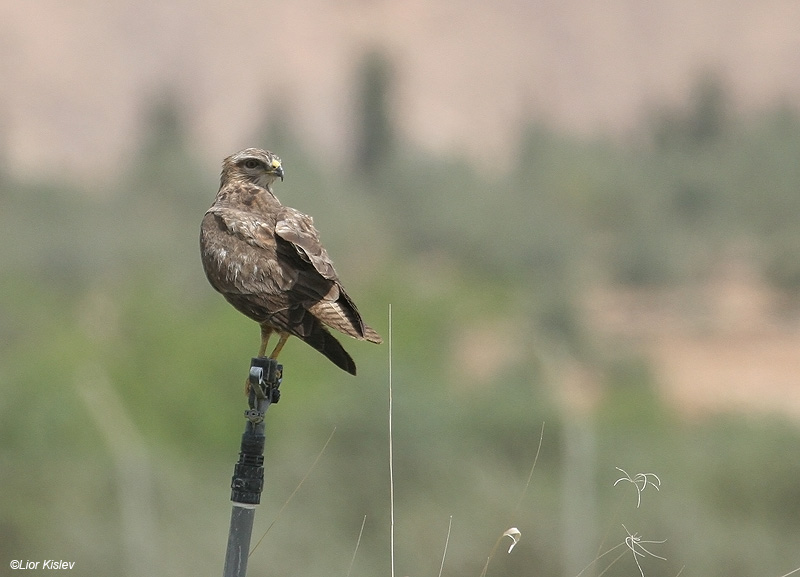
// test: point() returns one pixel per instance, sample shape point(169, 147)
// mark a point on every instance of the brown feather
point(268, 262)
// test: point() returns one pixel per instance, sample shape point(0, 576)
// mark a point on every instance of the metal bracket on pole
point(248, 473)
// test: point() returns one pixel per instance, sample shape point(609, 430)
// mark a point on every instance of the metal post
point(248, 473)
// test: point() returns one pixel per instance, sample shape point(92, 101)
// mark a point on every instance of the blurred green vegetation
point(118, 361)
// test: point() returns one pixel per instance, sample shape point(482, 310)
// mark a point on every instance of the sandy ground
point(730, 345)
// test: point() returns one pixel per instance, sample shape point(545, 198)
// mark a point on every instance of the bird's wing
point(335, 308)
point(267, 276)
point(298, 229)
point(242, 261)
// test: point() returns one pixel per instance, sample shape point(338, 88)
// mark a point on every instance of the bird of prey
point(267, 261)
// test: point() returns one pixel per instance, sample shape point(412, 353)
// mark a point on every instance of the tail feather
point(326, 343)
point(343, 316)
point(371, 335)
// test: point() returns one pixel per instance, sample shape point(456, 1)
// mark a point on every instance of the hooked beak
point(279, 172)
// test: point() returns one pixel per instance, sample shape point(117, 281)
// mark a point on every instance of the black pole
point(248, 473)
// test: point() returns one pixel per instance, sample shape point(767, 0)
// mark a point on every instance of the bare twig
point(391, 455)
point(640, 481)
point(358, 542)
point(633, 541)
point(300, 484)
point(446, 542)
point(600, 556)
point(533, 466)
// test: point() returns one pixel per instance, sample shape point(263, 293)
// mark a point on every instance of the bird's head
point(254, 165)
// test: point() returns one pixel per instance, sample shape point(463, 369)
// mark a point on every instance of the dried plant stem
point(489, 558)
point(446, 542)
point(530, 474)
point(358, 542)
point(600, 556)
point(391, 455)
point(300, 484)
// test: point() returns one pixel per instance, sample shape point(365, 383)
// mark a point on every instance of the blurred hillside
point(539, 293)
point(76, 78)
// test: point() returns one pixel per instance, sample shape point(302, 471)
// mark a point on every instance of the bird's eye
point(251, 163)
